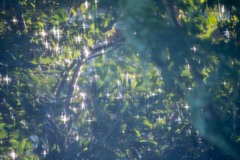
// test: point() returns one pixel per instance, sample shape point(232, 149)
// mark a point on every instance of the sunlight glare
point(103, 51)
point(194, 49)
point(64, 118)
point(83, 105)
point(83, 95)
point(7, 79)
point(43, 34)
point(86, 4)
point(179, 120)
point(44, 153)
point(68, 61)
point(222, 9)
point(56, 48)
point(46, 44)
point(127, 77)
point(186, 106)
point(105, 42)
point(13, 155)
point(54, 31)
point(86, 51)
point(14, 20)
point(89, 120)
point(77, 137)
point(118, 82)
point(159, 119)
point(159, 90)
point(78, 39)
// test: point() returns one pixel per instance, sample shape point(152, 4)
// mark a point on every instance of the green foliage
point(157, 85)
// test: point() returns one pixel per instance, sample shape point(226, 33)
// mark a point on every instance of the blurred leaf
point(137, 132)
point(21, 147)
point(2, 125)
point(60, 16)
point(14, 143)
point(185, 73)
point(3, 133)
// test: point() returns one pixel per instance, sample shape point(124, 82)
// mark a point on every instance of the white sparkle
point(103, 51)
point(14, 20)
point(105, 42)
point(46, 44)
point(77, 138)
point(86, 51)
point(108, 95)
point(96, 77)
point(57, 48)
point(43, 34)
point(54, 31)
point(78, 39)
point(7, 79)
point(127, 77)
point(227, 34)
point(86, 4)
point(58, 34)
point(159, 119)
point(186, 107)
point(224, 83)
point(179, 120)
point(83, 95)
point(44, 153)
point(83, 105)
point(68, 61)
point(64, 118)
point(160, 90)
point(118, 82)
point(89, 120)
point(13, 155)
point(194, 49)
point(222, 9)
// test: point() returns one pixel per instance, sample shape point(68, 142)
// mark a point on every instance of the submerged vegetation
point(127, 79)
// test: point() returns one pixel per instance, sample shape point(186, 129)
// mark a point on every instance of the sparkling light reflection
point(89, 120)
point(186, 107)
point(14, 20)
point(77, 138)
point(64, 118)
point(86, 4)
point(54, 31)
point(7, 79)
point(44, 153)
point(43, 34)
point(78, 39)
point(13, 155)
point(194, 49)
point(86, 51)
point(57, 48)
point(102, 51)
point(159, 119)
point(83, 105)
